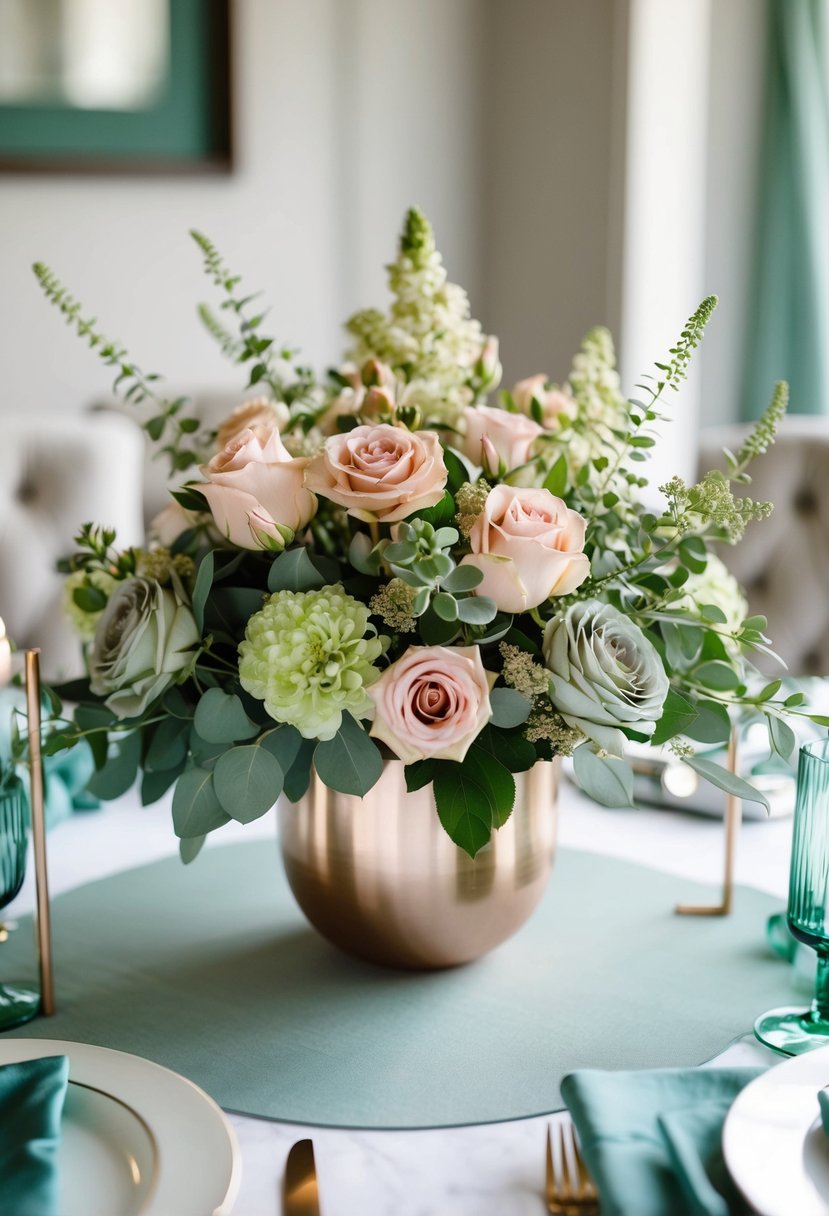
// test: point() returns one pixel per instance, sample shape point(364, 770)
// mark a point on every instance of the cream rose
point(432, 703)
point(380, 472)
point(257, 492)
point(528, 545)
point(496, 439)
point(260, 412)
point(552, 402)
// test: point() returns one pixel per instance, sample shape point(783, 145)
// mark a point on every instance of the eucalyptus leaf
point(298, 776)
point(711, 725)
point(717, 675)
point(154, 785)
point(221, 718)
point(725, 780)
point(350, 762)
point(121, 768)
point(284, 743)
point(293, 570)
point(608, 781)
point(509, 708)
point(196, 809)
point(168, 746)
point(247, 780)
point(190, 848)
point(201, 589)
point(445, 606)
point(781, 736)
point(677, 716)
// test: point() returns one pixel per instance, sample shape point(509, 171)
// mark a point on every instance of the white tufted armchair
point(56, 473)
point(783, 562)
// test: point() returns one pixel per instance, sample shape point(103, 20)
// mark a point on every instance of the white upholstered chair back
point(783, 562)
point(57, 473)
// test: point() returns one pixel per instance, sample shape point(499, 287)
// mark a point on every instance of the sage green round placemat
point(212, 971)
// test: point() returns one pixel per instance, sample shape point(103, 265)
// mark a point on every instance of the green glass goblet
point(793, 1031)
point(18, 1002)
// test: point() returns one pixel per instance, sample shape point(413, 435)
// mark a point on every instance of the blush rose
point(432, 703)
point(380, 472)
point(256, 491)
point(496, 439)
point(528, 545)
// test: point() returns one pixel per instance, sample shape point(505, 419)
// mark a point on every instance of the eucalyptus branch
point(135, 386)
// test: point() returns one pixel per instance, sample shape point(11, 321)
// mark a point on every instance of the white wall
point(341, 123)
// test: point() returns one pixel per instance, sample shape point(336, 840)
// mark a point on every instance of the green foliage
point(725, 780)
point(606, 779)
point(221, 718)
point(351, 761)
point(169, 421)
point(247, 781)
point(196, 808)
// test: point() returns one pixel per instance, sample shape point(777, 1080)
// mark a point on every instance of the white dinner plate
point(774, 1144)
point(137, 1139)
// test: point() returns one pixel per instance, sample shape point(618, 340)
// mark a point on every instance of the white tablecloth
point(471, 1171)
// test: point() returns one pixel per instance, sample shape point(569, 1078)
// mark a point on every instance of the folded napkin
point(31, 1104)
point(651, 1140)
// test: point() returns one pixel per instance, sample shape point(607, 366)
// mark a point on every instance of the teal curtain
point(789, 315)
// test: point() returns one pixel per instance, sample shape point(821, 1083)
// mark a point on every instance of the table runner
point(211, 970)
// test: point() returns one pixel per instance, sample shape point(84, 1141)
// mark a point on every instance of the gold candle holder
point(733, 819)
point(43, 918)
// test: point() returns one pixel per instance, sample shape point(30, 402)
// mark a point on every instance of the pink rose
point(552, 402)
point(257, 492)
point(528, 545)
point(259, 412)
point(432, 703)
point(380, 472)
point(496, 439)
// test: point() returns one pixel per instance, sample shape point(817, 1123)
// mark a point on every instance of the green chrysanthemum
point(309, 656)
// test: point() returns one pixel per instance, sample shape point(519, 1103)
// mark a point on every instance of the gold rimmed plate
point(122, 1149)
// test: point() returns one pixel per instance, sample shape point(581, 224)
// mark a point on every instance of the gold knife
point(300, 1193)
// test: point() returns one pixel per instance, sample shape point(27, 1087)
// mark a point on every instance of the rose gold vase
point(379, 877)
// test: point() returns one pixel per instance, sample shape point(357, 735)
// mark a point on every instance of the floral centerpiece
point(392, 561)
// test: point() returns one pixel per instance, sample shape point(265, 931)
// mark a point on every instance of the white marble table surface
point(468, 1171)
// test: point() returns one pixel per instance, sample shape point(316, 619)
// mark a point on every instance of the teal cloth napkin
point(31, 1103)
point(651, 1140)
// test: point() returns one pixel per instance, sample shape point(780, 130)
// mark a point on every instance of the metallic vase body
point(379, 877)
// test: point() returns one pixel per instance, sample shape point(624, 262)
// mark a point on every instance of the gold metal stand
point(733, 819)
point(44, 925)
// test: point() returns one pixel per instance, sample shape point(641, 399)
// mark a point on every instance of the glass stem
point(820, 1005)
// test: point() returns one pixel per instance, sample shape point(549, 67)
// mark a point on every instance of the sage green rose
point(145, 641)
point(605, 674)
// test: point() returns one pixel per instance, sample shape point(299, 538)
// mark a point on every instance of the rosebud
point(488, 369)
point(491, 462)
point(378, 405)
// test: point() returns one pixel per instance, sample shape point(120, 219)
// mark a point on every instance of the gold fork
point(570, 1191)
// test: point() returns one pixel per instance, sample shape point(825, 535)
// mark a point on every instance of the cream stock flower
point(432, 703)
point(497, 440)
point(256, 491)
point(528, 545)
point(380, 472)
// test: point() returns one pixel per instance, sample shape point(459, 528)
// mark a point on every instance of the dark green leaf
point(442, 513)
point(168, 746)
point(458, 472)
point(350, 762)
point(677, 715)
point(418, 774)
point(298, 776)
point(465, 807)
point(283, 743)
point(717, 675)
point(556, 479)
point(248, 781)
point(155, 785)
point(120, 770)
point(293, 570)
point(196, 809)
point(434, 631)
point(190, 848)
point(220, 718)
point(201, 590)
point(712, 724)
point(513, 751)
point(89, 598)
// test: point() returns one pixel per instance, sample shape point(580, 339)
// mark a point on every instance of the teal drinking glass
point(794, 1031)
point(18, 1002)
